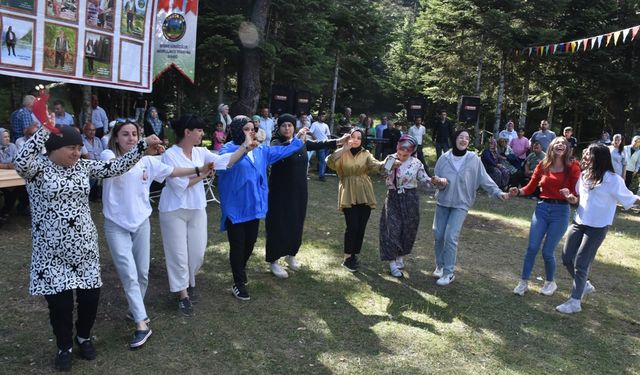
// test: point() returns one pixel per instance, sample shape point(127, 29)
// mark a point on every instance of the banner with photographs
point(175, 44)
point(106, 43)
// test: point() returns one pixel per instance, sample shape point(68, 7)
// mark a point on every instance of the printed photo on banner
point(65, 10)
point(130, 69)
point(27, 6)
point(17, 41)
point(98, 53)
point(132, 19)
point(60, 48)
point(100, 14)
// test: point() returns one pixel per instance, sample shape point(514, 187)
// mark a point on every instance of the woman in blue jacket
point(243, 195)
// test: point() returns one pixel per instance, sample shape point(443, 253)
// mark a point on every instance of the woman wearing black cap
point(288, 197)
point(65, 242)
point(243, 195)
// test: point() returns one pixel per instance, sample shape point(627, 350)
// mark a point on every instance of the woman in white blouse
point(599, 190)
point(618, 159)
point(183, 219)
point(126, 209)
point(400, 215)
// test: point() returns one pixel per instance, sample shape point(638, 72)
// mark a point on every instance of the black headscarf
point(281, 120)
point(237, 134)
point(455, 150)
point(355, 150)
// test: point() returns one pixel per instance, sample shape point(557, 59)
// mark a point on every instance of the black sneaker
point(240, 292)
point(350, 263)
point(87, 351)
point(139, 338)
point(193, 296)
point(185, 307)
point(63, 361)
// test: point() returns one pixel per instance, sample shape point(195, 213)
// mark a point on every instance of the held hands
point(505, 196)
point(342, 140)
point(302, 134)
point(514, 191)
point(207, 169)
point(565, 192)
point(155, 150)
point(153, 140)
point(440, 182)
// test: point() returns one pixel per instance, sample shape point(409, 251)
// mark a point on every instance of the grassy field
point(324, 320)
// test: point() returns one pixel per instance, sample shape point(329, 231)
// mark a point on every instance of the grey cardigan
point(463, 183)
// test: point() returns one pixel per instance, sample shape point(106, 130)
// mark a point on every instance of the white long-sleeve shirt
point(597, 206)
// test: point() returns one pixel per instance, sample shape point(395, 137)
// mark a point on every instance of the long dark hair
point(621, 145)
point(599, 164)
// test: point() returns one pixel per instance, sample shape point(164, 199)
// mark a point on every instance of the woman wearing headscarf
point(356, 197)
point(494, 165)
point(65, 241)
point(8, 152)
point(288, 197)
point(458, 175)
point(400, 214)
point(244, 194)
point(153, 124)
point(183, 218)
point(223, 116)
point(599, 191)
point(551, 216)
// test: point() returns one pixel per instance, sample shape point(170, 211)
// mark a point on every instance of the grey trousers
point(578, 254)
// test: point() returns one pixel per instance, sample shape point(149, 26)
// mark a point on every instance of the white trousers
point(184, 237)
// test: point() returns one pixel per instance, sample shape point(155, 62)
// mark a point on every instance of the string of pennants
point(616, 37)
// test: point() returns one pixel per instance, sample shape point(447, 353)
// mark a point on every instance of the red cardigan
point(551, 183)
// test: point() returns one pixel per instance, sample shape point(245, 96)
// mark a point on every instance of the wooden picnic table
point(10, 178)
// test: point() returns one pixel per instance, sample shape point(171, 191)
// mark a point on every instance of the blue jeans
point(322, 164)
point(580, 249)
point(447, 223)
point(130, 252)
point(550, 220)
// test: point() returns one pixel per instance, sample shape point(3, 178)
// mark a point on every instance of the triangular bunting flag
point(546, 49)
point(634, 32)
point(600, 40)
point(616, 36)
point(593, 42)
point(530, 50)
point(608, 39)
point(573, 46)
point(553, 49)
point(561, 47)
point(625, 32)
point(586, 44)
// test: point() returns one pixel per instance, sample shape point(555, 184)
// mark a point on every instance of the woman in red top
point(551, 216)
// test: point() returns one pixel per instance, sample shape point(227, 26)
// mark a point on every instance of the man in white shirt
point(508, 133)
point(266, 124)
point(320, 132)
point(94, 148)
point(418, 131)
point(62, 117)
point(98, 118)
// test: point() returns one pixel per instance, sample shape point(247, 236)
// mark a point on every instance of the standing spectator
point(302, 121)
point(345, 122)
point(458, 175)
point(219, 137)
point(508, 132)
point(98, 117)
point(183, 218)
point(223, 116)
point(380, 128)
point(391, 134)
point(153, 125)
point(400, 216)
point(370, 134)
point(62, 118)
point(288, 198)
point(544, 135)
point(65, 255)
point(267, 124)
point(417, 131)
point(605, 138)
point(632, 156)
point(442, 134)
point(617, 155)
point(551, 217)
point(356, 198)
point(22, 118)
point(568, 134)
point(140, 105)
point(520, 146)
point(126, 211)
point(94, 148)
point(244, 194)
point(599, 189)
point(11, 41)
point(320, 132)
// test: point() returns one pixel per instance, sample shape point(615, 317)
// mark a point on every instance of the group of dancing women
point(65, 259)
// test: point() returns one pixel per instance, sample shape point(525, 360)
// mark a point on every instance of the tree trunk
point(552, 108)
point(221, 80)
point(250, 87)
point(334, 91)
point(476, 128)
point(496, 125)
point(522, 122)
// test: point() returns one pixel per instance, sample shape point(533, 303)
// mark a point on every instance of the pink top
point(218, 139)
point(520, 146)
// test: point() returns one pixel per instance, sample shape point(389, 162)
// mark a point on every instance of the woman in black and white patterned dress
point(65, 242)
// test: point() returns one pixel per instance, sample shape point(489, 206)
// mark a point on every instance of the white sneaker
point(588, 289)
point(437, 272)
point(446, 279)
point(571, 306)
point(521, 288)
point(278, 271)
point(292, 262)
point(400, 262)
point(394, 269)
point(549, 288)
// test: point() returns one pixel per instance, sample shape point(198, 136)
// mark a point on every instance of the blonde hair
point(549, 158)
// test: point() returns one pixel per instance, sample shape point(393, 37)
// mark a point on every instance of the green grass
point(324, 320)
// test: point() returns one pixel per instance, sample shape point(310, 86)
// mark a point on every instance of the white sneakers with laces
point(278, 271)
point(548, 288)
point(521, 288)
point(570, 307)
point(437, 272)
point(446, 279)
